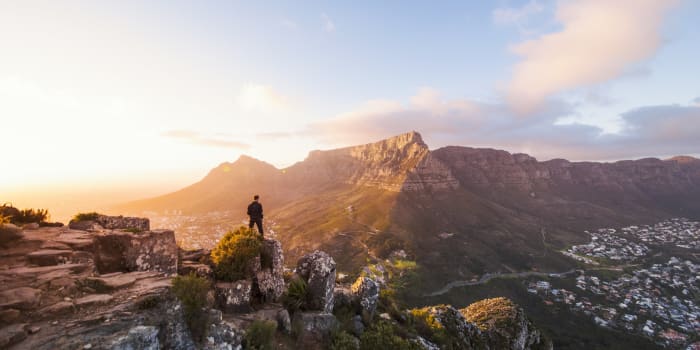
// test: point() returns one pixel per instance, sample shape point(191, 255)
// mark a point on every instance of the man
point(255, 211)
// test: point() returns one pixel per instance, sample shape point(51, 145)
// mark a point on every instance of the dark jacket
point(255, 210)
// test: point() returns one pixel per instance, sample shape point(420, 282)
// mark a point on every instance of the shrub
point(9, 233)
point(383, 336)
point(234, 253)
point(4, 219)
point(342, 340)
point(296, 295)
point(86, 216)
point(192, 292)
point(260, 335)
point(491, 313)
point(383, 244)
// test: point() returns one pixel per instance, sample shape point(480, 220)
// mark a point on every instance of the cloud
point(263, 98)
point(289, 24)
point(600, 40)
point(649, 131)
point(516, 16)
point(196, 138)
point(328, 24)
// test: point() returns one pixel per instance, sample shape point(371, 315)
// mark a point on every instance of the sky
point(112, 100)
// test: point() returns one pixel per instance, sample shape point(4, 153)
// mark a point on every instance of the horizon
point(120, 101)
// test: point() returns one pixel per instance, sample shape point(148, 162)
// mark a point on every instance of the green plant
point(296, 295)
point(342, 340)
point(260, 335)
point(192, 292)
point(234, 253)
point(383, 336)
point(133, 230)
point(86, 216)
point(491, 313)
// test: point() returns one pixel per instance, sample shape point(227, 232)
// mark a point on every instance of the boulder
point(234, 296)
point(366, 291)
point(22, 298)
point(201, 270)
point(313, 329)
point(111, 223)
point(138, 338)
point(119, 251)
point(12, 335)
point(9, 316)
point(318, 270)
point(357, 327)
point(464, 335)
point(284, 322)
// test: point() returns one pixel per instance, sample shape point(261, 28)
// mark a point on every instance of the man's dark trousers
point(258, 222)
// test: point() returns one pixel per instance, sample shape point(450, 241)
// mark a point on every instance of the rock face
point(112, 223)
point(139, 338)
point(234, 296)
point(366, 291)
point(318, 270)
point(464, 335)
point(119, 251)
point(313, 329)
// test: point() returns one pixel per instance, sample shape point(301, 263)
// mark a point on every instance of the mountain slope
point(459, 211)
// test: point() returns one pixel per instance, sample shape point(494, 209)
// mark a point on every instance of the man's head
point(256, 197)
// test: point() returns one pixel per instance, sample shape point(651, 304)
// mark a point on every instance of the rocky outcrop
point(447, 319)
point(317, 269)
point(269, 280)
point(112, 223)
point(119, 251)
point(139, 337)
point(505, 325)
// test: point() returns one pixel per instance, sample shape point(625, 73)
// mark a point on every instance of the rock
point(343, 298)
point(139, 338)
point(9, 233)
point(9, 316)
point(76, 240)
point(31, 226)
point(118, 251)
point(357, 326)
point(111, 223)
point(201, 270)
point(12, 335)
point(284, 323)
point(60, 308)
point(235, 296)
point(270, 277)
point(23, 298)
point(425, 344)
point(34, 330)
point(464, 335)
point(112, 282)
point(505, 325)
point(94, 299)
point(318, 270)
point(313, 329)
point(222, 335)
point(367, 292)
point(175, 334)
point(48, 257)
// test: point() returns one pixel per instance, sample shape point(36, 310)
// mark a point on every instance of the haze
point(102, 102)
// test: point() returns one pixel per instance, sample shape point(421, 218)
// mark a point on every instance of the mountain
point(459, 211)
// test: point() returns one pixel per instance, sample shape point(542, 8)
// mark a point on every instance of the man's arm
point(261, 211)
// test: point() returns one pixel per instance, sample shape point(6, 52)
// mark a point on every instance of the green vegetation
point(192, 292)
point(296, 295)
point(383, 335)
point(260, 335)
point(16, 216)
point(342, 340)
point(86, 216)
point(234, 253)
point(428, 327)
point(4, 219)
point(383, 244)
point(490, 313)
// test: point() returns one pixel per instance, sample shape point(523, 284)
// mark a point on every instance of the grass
point(491, 313)
point(86, 216)
point(260, 335)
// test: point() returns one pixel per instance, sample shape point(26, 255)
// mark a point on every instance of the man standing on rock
point(255, 211)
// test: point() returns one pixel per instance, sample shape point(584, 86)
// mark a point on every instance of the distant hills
point(458, 211)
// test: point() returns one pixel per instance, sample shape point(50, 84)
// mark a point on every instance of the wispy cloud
point(197, 138)
point(600, 40)
point(518, 16)
point(328, 24)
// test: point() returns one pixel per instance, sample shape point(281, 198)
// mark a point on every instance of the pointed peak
point(409, 137)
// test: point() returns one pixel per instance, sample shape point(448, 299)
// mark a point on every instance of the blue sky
point(158, 92)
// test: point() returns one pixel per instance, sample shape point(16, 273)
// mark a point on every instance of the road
point(489, 276)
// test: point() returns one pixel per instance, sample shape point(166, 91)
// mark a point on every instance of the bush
point(383, 336)
point(234, 253)
point(4, 219)
point(260, 335)
point(13, 215)
point(491, 313)
point(192, 292)
point(342, 340)
point(296, 295)
point(86, 216)
point(383, 244)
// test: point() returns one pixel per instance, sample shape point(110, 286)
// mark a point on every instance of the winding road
point(489, 276)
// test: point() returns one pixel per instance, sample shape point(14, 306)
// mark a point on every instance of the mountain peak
point(683, 159)
point(405, 139)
